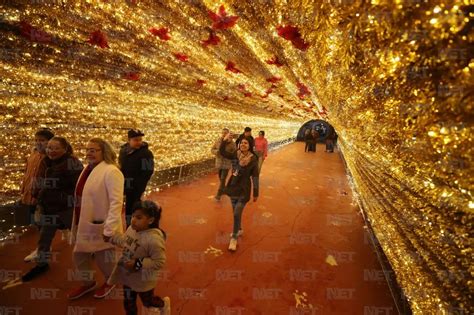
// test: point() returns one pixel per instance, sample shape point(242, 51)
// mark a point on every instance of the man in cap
point(137, 165)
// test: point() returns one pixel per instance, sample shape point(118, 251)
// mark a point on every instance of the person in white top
point(98, 212)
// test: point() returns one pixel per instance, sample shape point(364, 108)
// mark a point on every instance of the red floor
point(303, 223)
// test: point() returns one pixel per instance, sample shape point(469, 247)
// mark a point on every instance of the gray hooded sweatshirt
point(149, 247)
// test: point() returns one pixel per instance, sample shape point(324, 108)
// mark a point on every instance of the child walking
point(143, 256)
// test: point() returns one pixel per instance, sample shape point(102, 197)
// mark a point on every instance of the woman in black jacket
point(244, 171)
point(55, 198)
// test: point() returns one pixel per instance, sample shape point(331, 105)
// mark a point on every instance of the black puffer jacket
point(56, 195)
point(137, 167)
point(240, 186)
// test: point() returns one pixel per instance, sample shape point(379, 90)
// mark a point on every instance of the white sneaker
point(233, 244)
point(241, 233)
point(32, 256)
point(166, 310)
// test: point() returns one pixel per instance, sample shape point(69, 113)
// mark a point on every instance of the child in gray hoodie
point(143, 256)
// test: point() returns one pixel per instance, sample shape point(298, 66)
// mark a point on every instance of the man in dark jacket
point(137, 166)
point(247, 134)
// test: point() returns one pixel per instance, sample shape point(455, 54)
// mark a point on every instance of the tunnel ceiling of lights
point(393, 77)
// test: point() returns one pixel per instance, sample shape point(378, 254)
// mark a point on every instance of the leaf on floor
point(330, 260)
point(213, 251)
point(301, 300)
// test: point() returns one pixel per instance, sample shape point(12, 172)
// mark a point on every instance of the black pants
point(131, 197)
point(148, 299)
point(24, 214)
point(306, 147)
point(329, 145)
point(222, 177)
point(49, 225)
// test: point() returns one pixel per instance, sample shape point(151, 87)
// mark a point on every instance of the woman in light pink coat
point(98, 212)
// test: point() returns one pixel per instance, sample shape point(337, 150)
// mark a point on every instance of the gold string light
point(393, 77)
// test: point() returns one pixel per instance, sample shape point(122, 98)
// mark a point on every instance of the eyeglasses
point(92, 150)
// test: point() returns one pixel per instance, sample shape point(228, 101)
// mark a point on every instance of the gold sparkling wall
point(393, 77)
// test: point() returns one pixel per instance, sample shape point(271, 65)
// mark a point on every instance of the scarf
point(244, 160)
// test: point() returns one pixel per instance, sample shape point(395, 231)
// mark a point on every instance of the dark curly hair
point(152, 210)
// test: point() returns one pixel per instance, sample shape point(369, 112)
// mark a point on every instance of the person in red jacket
point(261, 149)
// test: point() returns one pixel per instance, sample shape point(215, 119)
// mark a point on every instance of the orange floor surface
point(304, 251)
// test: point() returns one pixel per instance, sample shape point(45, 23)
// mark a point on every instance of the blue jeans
point(238, 207)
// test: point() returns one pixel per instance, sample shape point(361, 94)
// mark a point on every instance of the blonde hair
point(108, 153)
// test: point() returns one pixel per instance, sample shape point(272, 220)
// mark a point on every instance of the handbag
point(233, 187)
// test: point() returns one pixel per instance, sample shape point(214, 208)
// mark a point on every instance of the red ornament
point(98, 38)
point(181, 57)
point(225, 98)
point(34, 34)
point(220, 19)
point(292, 34)
point(212, 40)
point(162, 33)
point(200, 82)
point(303, 90)
point(248, 94)
point(274, 79)
point(231, 67)
point(274, 61)
point(242, 87)
point(133, 76)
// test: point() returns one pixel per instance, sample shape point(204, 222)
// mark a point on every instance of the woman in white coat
point(98, 212)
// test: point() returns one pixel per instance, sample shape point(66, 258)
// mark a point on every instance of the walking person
point(314, 140)
point(222, 164)
point(307, 139)
point(330, 141)
point(98, 212)
point(137, 165)
point(244, 173)
point(247, 134)
point(261, 149)
point(143, 256)
point(55, 198)
point(35, 169)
